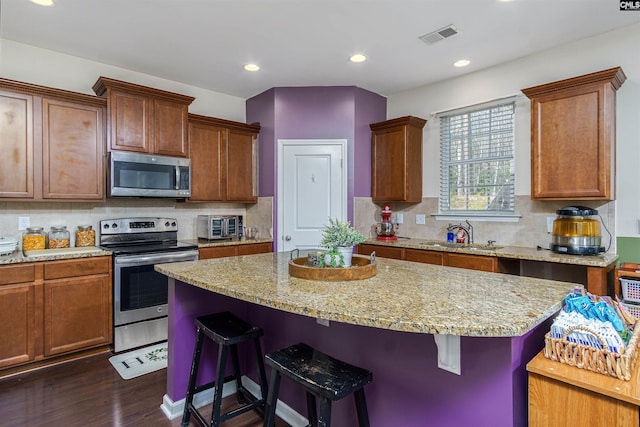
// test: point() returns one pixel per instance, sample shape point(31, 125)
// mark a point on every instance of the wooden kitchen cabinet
point(396, 160)
point(77, 304)
point(381, 251)
point(224, 157)
point(234, 250)
point(57, 143)
point(471, 262)
point(18, 314)
point(573, 137)
point(54, 308)
point(144, 119)
point(426, 257)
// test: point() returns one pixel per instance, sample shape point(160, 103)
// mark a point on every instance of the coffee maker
point(386, 229)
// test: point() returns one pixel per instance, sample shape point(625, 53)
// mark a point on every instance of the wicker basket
point(591, 358)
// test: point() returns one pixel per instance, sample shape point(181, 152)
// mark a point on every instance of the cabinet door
point(426, 257)
point(73, 151)
point(256, 248)
point(570, 155)
point(217, 252)
point(17, 318)
point(16, 145)
point(207, 145)
point(396, 160)
point(472, 262)
point(130, 122)
point(170, 128)
point(381, 251)
point(77, 313)
point(241, 167)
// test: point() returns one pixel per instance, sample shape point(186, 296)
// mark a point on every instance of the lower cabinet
point(53, 308)
point(234, 250)
point(471, 262)
point(17, 314)
point(77, 305)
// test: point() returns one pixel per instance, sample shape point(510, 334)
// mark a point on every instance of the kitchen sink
point(453, 245)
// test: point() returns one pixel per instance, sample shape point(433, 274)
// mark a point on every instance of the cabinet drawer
point(427, 257)
point(17, 274)
point(76, 267)
point(217, 252)
point(256, 248)
point(472, 262)
point(381, 251)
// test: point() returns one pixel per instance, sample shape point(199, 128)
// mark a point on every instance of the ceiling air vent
point(441, 34)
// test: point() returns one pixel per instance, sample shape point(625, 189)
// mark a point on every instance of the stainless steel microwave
point(212, 227)
point(145, 175)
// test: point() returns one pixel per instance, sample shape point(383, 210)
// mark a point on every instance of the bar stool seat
point(227, 331)
point(322, 376)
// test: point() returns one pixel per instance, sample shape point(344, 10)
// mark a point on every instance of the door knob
point(287, 237)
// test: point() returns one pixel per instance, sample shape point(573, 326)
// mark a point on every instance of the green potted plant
point(340, 238)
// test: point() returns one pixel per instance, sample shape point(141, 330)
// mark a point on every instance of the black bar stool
point(227, 331)
point(322, 376)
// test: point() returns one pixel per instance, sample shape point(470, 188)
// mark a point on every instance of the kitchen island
point(384, 324)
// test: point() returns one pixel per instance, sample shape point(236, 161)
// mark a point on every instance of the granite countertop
point(402, 296)
point(513, 252)
point(18, 257)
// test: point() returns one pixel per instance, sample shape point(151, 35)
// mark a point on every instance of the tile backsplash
point(529, 231)
point(47, 214)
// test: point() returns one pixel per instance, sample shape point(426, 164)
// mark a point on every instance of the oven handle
point(156, 258)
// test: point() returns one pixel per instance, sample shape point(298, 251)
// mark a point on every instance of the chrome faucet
point(468, 230)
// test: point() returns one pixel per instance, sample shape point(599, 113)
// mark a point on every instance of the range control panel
point(138, 225)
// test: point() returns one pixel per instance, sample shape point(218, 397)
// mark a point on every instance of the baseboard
point(173, 410)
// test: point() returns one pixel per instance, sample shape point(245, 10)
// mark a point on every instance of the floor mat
point(142, 361)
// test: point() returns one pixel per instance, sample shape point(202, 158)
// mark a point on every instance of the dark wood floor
point(89, 392)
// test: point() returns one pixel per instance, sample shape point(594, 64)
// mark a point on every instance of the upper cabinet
point(224, 156)
point(144, 119)
point(54, 141)
point(573, 137)
point(396, 160)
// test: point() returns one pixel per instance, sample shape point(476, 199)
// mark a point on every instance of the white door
point(312, 187)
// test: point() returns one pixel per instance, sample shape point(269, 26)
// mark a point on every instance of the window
point(476, 159)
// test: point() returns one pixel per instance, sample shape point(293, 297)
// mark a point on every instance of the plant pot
point(341, 259)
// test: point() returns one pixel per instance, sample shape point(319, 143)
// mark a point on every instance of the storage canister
point(85, 236)
point(33, 239)
point(59, 237)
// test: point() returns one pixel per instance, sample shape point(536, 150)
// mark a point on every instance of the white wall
point(616, 48)
point(48, 68)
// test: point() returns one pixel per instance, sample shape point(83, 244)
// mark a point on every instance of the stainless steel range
point(139, 292)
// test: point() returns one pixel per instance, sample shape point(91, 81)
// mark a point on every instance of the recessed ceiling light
point(461, 63)
point(358, 57)
point(251, 67)
point(43, 2)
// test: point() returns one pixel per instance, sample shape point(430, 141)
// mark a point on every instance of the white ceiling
point(205, 43)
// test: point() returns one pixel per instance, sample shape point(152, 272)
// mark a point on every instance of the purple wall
point(335, 112)
point(408, 388)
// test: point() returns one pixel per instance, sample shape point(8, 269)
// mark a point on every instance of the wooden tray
point(361, 268)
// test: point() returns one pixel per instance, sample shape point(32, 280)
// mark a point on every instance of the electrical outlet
point(322, 322)
point(421, 219)
point(399, 218)
point(550, 220)
point(23, 223)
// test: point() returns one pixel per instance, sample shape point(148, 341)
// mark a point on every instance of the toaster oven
point(214, 227)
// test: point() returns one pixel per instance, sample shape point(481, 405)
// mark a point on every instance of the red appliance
point(386, 229)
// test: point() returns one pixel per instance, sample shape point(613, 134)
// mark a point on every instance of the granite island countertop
point(513, 252)
point(402, 296)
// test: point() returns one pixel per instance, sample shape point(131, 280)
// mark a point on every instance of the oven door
point(140, 292)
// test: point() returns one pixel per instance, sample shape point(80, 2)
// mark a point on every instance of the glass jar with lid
point(34, 238)
point(59, 237)
point(85, 236)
